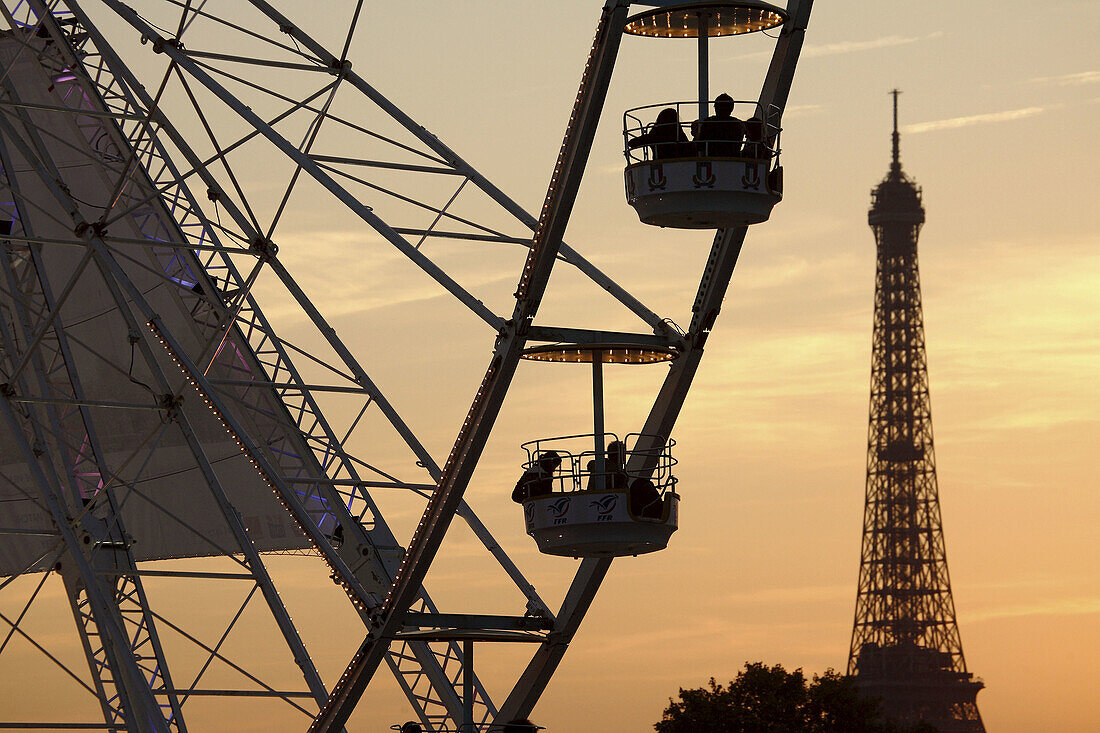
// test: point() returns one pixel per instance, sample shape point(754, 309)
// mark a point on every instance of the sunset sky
point(999, 111)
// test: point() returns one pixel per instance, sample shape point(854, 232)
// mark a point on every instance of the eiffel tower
point(906, 648)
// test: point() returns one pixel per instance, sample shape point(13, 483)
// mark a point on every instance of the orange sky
point(999, 115)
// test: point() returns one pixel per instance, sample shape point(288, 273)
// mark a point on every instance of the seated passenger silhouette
point(616, 465)
point(665, 137)
point(337, 537)
point(754, 139)
point(614, 469)
point(644, 500)
point(411, 727)
point(720, 134)
point(538, 480)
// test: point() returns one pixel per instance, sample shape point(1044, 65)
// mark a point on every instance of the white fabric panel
point(165, 469)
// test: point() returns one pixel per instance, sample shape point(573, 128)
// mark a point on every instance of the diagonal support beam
point(107, 265)
point(310, 166)
point(662, 417)
point(560, 197)
point(146, 715)
point(433, 143)
point(432, 664)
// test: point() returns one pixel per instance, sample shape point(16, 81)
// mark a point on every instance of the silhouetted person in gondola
point(644, 499)
point(720, 135)
point(614, 468)
point(538, 480)
point(616, 465)
point(754, 139)
point(411, 727)
point(665, 137)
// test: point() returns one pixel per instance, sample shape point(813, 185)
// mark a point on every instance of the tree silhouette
point(766, 699)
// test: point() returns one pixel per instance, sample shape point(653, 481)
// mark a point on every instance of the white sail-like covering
point(167, 508)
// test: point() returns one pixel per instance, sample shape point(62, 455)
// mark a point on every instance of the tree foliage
point(766, 699)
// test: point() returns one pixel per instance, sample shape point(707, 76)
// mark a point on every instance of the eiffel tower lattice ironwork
point(906, 648)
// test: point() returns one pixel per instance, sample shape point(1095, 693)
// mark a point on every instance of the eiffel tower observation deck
point(906, 648)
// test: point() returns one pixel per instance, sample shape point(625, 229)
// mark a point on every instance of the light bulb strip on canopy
point(722, 19)
point(598, 354)
point(606, 353)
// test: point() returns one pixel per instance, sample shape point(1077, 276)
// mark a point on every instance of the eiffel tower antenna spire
point(896, 164)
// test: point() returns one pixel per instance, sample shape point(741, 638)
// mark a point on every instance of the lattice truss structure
point(905, 644)
point(160, 439)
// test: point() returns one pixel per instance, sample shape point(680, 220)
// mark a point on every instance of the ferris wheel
point(169, 425)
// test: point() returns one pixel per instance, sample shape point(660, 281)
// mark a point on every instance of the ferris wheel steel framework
point(386, 616)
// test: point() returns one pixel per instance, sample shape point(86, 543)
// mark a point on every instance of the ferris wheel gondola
point(708, 171)
point(586, 496)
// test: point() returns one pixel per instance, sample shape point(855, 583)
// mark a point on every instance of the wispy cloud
point(1068, 80)
point(954, 122)
point(844, 47)
point(797, 110)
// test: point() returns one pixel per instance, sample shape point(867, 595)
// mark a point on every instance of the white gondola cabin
point(594, 495)
point(610, 511)
point(705, 164)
